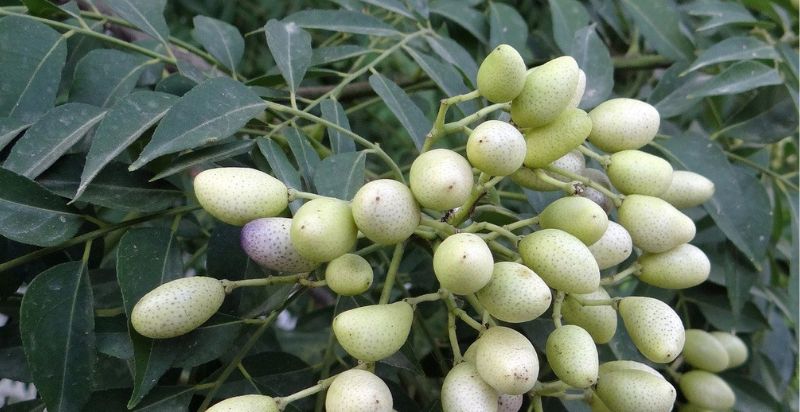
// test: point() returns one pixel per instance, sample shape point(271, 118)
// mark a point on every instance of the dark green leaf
point(211, 111)
point(733, 49)
point(739, 278)
point(33, 405)
point(305, 155)
point(325, 55)
point(392, 5)
point(741, 77)
point(463, 15)
point(333, 112)
point(342, 21)
point(281, 167)
point(340, 175)
point(568, 17)
point(659, 23)
point(720, 13)
point(47, 9)
point(506, 26)
point(717, 311)
point(205, 155)
point(208, 342)
point(443, 75)
point(160, 399)
point(751, 395)
point(9, 129)
point(146, 15)
point(791, 201)
point(452, 52)
point(670, 96)
point(221, 39)
point(112, 335)
point(593, 58)
point(15, 366)
point(771, 125)
point(195, 70)
point(104, 76)
point(57, 327)
point(291, 48)
point(175, 84)
point(409, 115)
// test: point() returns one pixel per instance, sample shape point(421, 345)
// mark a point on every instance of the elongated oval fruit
point(548, 90)
point(577, 216)
point(635, 391)
point(463, 263)
point(441, 179)
point(654, 327)
point(323, 229)
point(623, 124)
point(621, 365)
point(689, 407)
point(547, 143)
point(688, 189)
point(561, 260)
point(637, 172)
point(268, 242)
point(501, 74)
point(237, 195)
point(679, 268)
point(463, 390)
point(357, 390)
point(703, 351)
point(246, 403)
point(572, 354)
point(655, 225)
point(385, 211)
point(613, 247)
point(734, 346)
point(506, 360)
point(177, 307)
point(371, 333)
point(496, 148)
point(580, 88)
point(509, 403)
point(572, 162)
point(515, 293)
point(707, 390)
point(349, 275)
point(599, 321)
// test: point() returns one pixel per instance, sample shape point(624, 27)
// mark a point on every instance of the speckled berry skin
point(509, 403)
point(599, 321)
point(637, 172)
point(349, 275)
point(267, 241)
point(357, 390)
point(547, 143)
point(707, 390)
point(463, 390)
point(613, 247)
point(734, 346)
point(577, 216)
point(654, 327)
point(323, 229)
point(580, 89)
point(548, 90)
point(595, 195)
point(177, 307)
point(246, 403)
point(515, 293)
point(237, 195)
point(623, 124)
point(496, 148)
point(501, 74)
point(463, 263)
point(561, 260)
point(572, 161)
point(655, 225)
point(704, 351)
point(441, 179)
point(572, 354)
point(622, 365)
point(371, 333)
point(679, 268)
point(688, 189)
point(385, 211)
point(506, 360)
point(635, 391)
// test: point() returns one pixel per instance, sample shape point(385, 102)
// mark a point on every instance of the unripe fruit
point(703, 351)
point(357, 390)
point(506, 360)
point(635, 391)
point(572, 354)
point(622, 124)
point(595, 195)
point(688, 407)
point(246, 403)
point(371, 333)
point(679, 268)
point(177, 307)
point(441, 179)
point(613, 247)
point(515, 293)
point(622, 365)
point(655, 225)
point(463, 390)
point(573, 162)
point(599, 321)
point(268, 242)
point(237, 195)
point(654, 327)
point(548, 90)
point(349, 275)
point(707, 390)
point(580, 88)
point(688, 189)
point(547, 143)
point(577, 216)
point(501, 74)
point(596, 404)
point(634, 171)
point(562, 260)
point(463, 263)
point(509, 403)
point(734, 346)
point(385, 211)
point(323, 229)
point(496, 148)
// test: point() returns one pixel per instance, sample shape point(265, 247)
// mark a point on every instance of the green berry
point(734, 346)
point(349, 275)
point(679, 268)
point(441, 179)
point(357, 390)
point(704, 351)
point(547, 143)
point(268, 242)
point(707, 390)
point(463, 263)
point(688, 189)
point(623, 124)
point(385, 211)
point(323, 229)
point(599, 321)
point(572, 161)
point(577, 216)
point(246, 403)
point(496, 148)
point(613, 248)
point(548, 90)
point(572, 354)
point(515, 293)
point(374, 332)
point(562, 260)
point(655, 225)
point(506, 360)
point(463, 390)
point(621, 365)
point(654, 328)
point(237, 195)
point(580, 88)
point(635, 391)
point(501, 74)
point(634, 171)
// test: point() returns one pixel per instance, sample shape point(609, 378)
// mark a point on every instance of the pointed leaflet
point(659, 23)
point(146, 15)
point(333, 111)
point(506, 26)
point(281, 167)
point(57, 328)
point(741, 77)
point(568, 17)
point(325, 55)
point(9, 129)
point(392, 5)
point(222, 40)
point(31, 58)
point(305, 155)
point(463, 15)
point(206, 155)
point(291, 48)
point(49, 10)
point(452, 52)
point(213, 110)
point(341, 21)
point(105, 76)
point(341, 175)
point(409, 115)
point(593, 57)
point(444, 75)
point(720, 13)
point(733, 49)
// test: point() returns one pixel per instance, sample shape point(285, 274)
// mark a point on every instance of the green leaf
point(50, 137)
point(659, 23)
point(394, 6)
point(208, 342)
point(9, 129)
point(175, 84)
point(160, 399)
point(33, 405)
point(205, 155)
point(716, 309)
point(291, 48)
point(452, 52)
point(341, 175)
point(32, 56)
point(733, 49)
point(146, 15)
point(341, 21)
point(57, 328)
point(104, 76)
point(720, 13)
point(221, 39)
point(409, 115)
point(324, 55)
point(444, 76)
point(671, 96)
point(32, 215)
point(568, 17)
point(506, 26)
point(773, 122)
point(213, 110)
point(195, 70)
point(305, 155)
point(594, 59)
point(739, 278)
point(281, 167)
point(333, 112)
point(470, 19)
point(48, 9)
point(740, 77)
